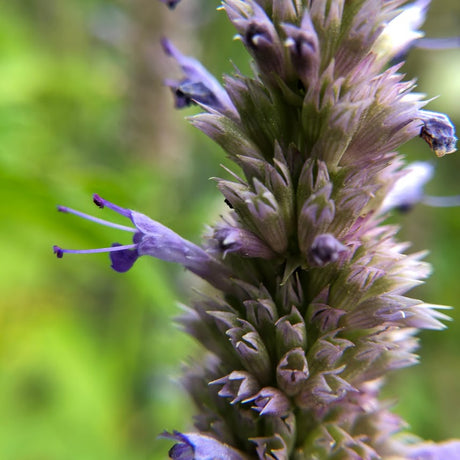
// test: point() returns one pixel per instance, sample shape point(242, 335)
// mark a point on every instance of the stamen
point(60, 252)
point(95, 219)
point(101, 203)
point(442, 201)
point(438, 43)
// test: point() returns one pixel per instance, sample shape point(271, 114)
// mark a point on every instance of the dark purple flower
point(198, 86)
point(193, 446)
point(238, 385)
point(325, 249)
point(150, 238)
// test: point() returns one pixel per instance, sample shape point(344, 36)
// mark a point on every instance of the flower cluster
point(311, 312)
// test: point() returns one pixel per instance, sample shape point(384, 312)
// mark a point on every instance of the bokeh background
point(89, 358)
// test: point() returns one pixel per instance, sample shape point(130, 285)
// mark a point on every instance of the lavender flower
point(198, 85)
point(150, 238)
point(312, 312)
point(199, 447)
point(400, 33)
point(407, 191)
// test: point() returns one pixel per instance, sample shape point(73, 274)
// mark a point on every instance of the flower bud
point(242, 242)
point(258, 33)
point(292, 371)
point(273, 447)
point(251, 350)
point(325, 249)
point(290, 332)
point(238, 385)
point(270, 401)
point(302, 44)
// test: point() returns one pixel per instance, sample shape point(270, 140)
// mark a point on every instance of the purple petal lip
point(198, 84)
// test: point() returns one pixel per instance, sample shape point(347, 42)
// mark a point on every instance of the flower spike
point(310, 312)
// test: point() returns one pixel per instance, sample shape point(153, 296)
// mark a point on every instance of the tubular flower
point(312, 312)
point(408, 191)
point(198, 86)
point(150, 238)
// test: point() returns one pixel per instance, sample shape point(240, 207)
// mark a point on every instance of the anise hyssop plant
point(309, 311)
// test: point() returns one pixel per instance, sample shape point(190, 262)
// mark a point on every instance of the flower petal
point(431, 451)
point(195, 446)
point(199, 85)
point(122, 261)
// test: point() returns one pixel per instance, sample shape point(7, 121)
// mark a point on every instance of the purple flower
point(311, 312)
point(231, 239)
point(270, 401)
point(407, 191)
point(325, 249)
point(258, 34)
point(192, 446)
point(303, 46)
point(198, 86)
point(431, 451)
point(150, 238)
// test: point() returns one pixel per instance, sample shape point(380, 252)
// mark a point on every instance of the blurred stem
point(152, 128)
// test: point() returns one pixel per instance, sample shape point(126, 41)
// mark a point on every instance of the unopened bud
point(242, 242)
point(325, 249)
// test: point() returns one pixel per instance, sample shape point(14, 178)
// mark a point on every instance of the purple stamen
point(95, 219)
point(60, 252)
point(442, 201)
point(101, 203)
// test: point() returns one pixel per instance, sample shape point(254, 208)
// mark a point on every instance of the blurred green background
point(89, 358)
